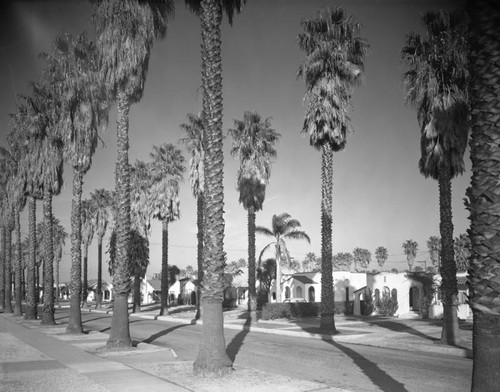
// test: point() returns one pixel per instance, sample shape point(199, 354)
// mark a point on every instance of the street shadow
point(397, 327)
point(108, 328)
point(157, 335)
point(237, 341)
point(378, 376)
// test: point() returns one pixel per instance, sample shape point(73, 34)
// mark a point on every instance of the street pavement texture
point(44, 358)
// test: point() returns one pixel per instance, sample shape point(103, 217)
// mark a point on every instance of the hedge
point(271, 311)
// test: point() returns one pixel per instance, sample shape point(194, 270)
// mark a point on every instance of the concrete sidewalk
point(44, 358)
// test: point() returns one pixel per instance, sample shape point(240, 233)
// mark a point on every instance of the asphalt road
point(353, 367)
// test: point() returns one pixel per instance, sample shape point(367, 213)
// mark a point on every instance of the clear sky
point(379, 197)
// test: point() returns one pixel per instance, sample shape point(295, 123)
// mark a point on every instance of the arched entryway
point(312, 294)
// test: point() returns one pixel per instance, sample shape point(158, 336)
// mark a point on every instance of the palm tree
point(167, 170)
point(139, 261)
point(60, 236)
point(212, 357)
point(483, 203)
point(381, 255)
point(141, 214)
point(434, 247)
point(461, 245)
point(332, 68)
point(88, 230)
point(342, 261)
point(410, 248)
point(254, 145)
point(4, 177)
point(7, 225)
point(362, 258)
point(283, 228)
point(436, 83)
point(102, 202)
point(72, 68)
point(17, 200)
point(125, 50)
point(194, 144)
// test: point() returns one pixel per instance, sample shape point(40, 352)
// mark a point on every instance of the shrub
point(367, 306)
point(387, 306)
point(262, 299)
point(288, 310)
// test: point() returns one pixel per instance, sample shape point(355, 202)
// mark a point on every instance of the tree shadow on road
point(237, 341)
point(159, 334)
point(378, 376)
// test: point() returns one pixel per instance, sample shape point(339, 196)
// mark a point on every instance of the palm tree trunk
point(278, 273)
point(75, 315)
point(164, 268)
point(212, 357)
point(484, 193)
point(327, 295)
point(31, 309)
point(2, 267)
point(85, 267)
point(8, 272)
point(18, 284)
point(199, 209)
point(136, 308)
point(450, 333)
point(48, 272)
point(98, 304)
point(252, 292)
point(120, 332)
point(58, 290)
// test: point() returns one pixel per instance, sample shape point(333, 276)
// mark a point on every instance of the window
point(287, 292)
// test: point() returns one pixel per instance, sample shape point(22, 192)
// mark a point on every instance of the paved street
point(349, 366)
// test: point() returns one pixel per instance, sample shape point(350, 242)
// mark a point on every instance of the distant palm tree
point(212, 357)
point(483, 204)
point(88, 230)
point(60, 236)
point(254, 145)
point(410, 248)
point(125, 50)
point(283, 228)
point(434, 247)
point(194, 144)
point(437, 85)
point(141, 209)
point(381, 255)
point(342, 261)
point(362, 258)
point(332, 68)
point(167, 171)
point(102, 200)
point(139, 261)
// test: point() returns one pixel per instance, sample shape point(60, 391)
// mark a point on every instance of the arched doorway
point(414, 298)
point(287, 292)
point(312, 294)
point(298, 292)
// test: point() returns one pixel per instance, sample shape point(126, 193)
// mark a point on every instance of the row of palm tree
point(333, 66)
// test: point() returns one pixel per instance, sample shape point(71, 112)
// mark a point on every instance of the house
point(353, 286)
point(106, 288)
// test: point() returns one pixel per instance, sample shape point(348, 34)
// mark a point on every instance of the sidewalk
point(44, 358)
point(38, 358)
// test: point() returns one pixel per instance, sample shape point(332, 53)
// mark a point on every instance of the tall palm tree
point(7, 216)
point(72, 68)
point(167, 170)
point(88, 230)
point(283, 228)
point(483, 203)
point(436, 83)
point(194, 144)
point(254, 146)
point(332, 68)
point(141, 215)
point(212, 357)
point(410, 249)
point(125, 50)
point(17, 200)
point(4, 177)
point(102, 202)
point(434, 247)
point(381, 255)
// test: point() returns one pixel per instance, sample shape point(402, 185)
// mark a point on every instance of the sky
point(379, 196)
